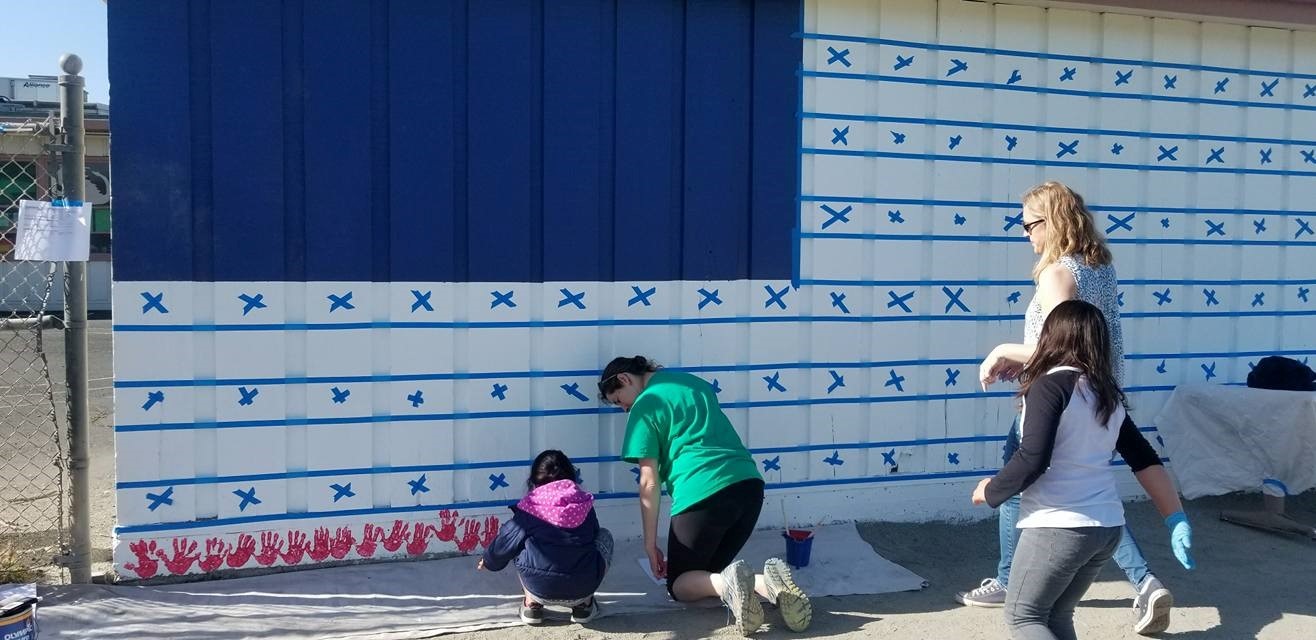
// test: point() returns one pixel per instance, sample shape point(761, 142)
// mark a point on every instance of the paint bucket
point(19, 621)
point(799, 544)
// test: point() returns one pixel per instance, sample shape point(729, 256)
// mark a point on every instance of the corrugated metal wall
point(507, 140)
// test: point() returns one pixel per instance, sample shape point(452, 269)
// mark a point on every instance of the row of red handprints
point(319, 547)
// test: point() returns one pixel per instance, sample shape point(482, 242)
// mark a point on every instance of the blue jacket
point(556, 561)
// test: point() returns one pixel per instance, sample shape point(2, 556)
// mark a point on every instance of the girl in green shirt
point(678, 435)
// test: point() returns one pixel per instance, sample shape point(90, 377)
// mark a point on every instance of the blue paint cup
point(799, 544)
point(18, 622)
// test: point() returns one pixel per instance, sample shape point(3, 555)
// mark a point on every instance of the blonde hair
point(1070, 229)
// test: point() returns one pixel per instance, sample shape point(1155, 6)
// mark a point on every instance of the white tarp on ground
point(1225, 438)
point(412, 600)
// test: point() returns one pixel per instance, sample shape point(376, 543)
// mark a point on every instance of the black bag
point(1283, 374)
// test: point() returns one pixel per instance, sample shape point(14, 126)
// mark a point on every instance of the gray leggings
point(1052, 570)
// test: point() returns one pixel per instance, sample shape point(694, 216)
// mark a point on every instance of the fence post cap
point(70, 63)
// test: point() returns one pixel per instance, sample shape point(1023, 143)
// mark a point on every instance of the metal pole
point(72, 174)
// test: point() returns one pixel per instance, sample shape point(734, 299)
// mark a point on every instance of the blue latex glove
point(1181, 538)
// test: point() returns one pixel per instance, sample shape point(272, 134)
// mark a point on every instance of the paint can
point(18, 612)
point(799, 545)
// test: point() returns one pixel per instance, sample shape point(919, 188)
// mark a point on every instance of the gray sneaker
point(990, 594)
point(1151, 607)
point(796, 610)
point(739, 596)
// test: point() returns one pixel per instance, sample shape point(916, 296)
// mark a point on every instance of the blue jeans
point(1128, 556)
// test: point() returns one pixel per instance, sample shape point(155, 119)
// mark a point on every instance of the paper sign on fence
point(57, 233)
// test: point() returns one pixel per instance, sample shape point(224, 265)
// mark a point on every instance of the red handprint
point(296, 547)
point(470, 535)
point(146, 566)
point(320, 550)
point(398, 536)
point(239, 555)
point(491, 527)
point(420, 539)
point(369, 536)
point(342, 543)
point(185, 554)
point(447, 525)
point(215, 554)
point(271, 545)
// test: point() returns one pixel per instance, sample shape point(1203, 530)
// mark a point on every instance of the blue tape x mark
point(1123, 78)
point(340, 395)
point(1268, 88)
point(836, 216)
point(838, 381)
point(422, 301)
point(1067, 149)
point(1220, 85)
point(1068, 74)
point(1303, 227)
point(775, 297)
point(1209, 371)
point(158, 499)
point(1162, 298)
point(899, 301)
point(1259, 300)
point(342, 491)
point(248, 396)
point(155, 301)
point(641, 297)
point(1216, 156)
point(953, 299)
point(1260, 225)
point(838, 56)
point(774, 382)
point(153, 398)
point(1167, 154)
point(1012, 221)
point(901, 62)
point(573, 390)
point(835, 459)
point(251, 302)
point(772, 464)
point(895, 381)
point(956, 66)
point(839, 135)
point(496, 481)
point(568, 298)
point(1214, 229)
point(1120, 223)
point(499, 391)
point(1170, 80)
point(418, 485)
point(838, 301)
point(1265, 154)
point(953, 458)
point(502, 298)
point(340, 302)
point(416, 399)
point(248, 497)
point(708, 297)
point(1210, 297)
point(952, 377)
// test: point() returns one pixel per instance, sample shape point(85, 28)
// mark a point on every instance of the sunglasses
point(1029, 226)
point(606, 386)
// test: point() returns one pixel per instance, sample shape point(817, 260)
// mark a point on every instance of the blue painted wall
point(499, 140)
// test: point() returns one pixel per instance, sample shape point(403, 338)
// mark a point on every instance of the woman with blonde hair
point(1073, 263)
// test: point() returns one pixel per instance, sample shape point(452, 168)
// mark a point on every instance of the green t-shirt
point(677, 420)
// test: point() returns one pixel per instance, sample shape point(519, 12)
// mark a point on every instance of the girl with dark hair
point(1070, 513)
point(561, 553)
point(678, 435)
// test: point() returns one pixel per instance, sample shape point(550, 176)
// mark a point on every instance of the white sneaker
point(990, 594)
point(1151, 607)
point(739, 596)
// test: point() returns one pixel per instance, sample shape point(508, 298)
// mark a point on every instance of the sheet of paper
point(644, 566)
point(53, 233)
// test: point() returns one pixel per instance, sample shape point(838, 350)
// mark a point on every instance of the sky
point(34, 33)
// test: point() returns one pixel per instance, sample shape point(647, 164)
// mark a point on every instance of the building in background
point(26, 173)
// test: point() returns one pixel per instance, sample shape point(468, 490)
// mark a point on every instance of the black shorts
point(708, 535)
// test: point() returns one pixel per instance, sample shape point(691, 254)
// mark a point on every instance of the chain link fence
point(33, 481)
